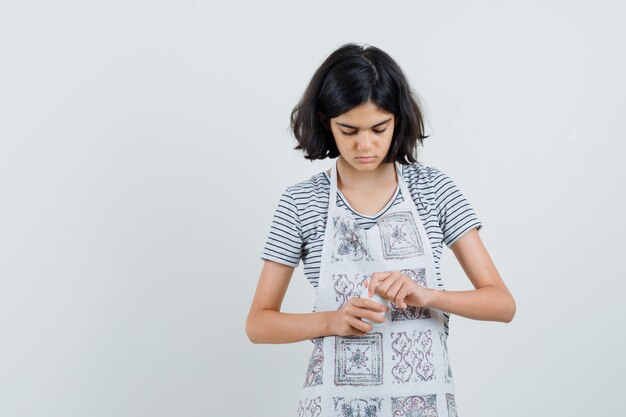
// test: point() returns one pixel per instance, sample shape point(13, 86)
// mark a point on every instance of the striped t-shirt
point(298, 226)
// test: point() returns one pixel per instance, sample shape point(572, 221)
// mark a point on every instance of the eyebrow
point(354, 127)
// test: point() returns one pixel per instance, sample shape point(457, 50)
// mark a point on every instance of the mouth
point(365, 158)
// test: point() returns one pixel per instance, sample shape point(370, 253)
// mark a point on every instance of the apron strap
point(332, 196)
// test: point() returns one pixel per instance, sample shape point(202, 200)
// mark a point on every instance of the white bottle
point(380, 300)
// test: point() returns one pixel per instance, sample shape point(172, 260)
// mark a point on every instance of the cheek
point(339, 143)
point(337, 138)
point(388, 139)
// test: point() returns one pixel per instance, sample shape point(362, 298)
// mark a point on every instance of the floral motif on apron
point(401, 367)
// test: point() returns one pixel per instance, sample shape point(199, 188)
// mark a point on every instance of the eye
point(354, 133)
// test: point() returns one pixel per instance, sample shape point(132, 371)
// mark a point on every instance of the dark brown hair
point(350, 76)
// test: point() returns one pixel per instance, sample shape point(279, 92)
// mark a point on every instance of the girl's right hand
point(347, 320)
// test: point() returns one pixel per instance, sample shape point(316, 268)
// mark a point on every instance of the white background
point(144, 146)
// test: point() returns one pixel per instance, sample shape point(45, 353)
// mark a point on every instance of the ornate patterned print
point(316, 364)
point(412, 356)
point(399, 236)
point(359, 359)
point(348, 287)
point(411, 312)
point(446, 361)
point(400, 368)
point(310, 407)
point(451, 405)
point(414, 406)
point(357, 407)
point(350, 241)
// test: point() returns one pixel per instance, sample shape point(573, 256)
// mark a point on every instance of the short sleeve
point(456, 215)
point(284, 240)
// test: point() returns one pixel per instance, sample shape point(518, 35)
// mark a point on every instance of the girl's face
point(363, 135)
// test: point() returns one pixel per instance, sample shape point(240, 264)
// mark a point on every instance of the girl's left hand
point(399, 288)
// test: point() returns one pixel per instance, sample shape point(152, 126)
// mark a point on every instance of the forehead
point(364, 115)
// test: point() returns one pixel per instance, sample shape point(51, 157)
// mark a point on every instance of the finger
point(360, 325)
point(367, 304)
point(357, 332)
point(384, 286)
point(400, 299)
point(370, 314)
point(376, 317)
point(375, 279)
point(384, 275)
point(395, 292)
point(407, 291)
point(371, 284)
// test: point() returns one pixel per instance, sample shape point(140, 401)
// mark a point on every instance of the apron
point(401, 367)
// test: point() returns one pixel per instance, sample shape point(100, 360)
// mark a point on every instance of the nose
point(364, 141)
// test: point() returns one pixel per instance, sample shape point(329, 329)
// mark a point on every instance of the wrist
point(327, 319)
point(431, 300)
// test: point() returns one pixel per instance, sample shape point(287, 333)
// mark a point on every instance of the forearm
point(486, 303)
point(270, 326)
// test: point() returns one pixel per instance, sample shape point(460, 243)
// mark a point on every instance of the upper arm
point(271, 287)
point(284, 241)
point(476, 262)
point(455, 213)
point(281, 255)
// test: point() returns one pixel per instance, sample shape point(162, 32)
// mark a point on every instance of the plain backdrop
point(144, 146)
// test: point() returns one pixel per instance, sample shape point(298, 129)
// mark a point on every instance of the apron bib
point(401, 367)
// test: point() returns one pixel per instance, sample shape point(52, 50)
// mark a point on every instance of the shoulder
point(432, 188)
point(309, 194)
point(424, 177)
point(317, 182)
point(313, 188)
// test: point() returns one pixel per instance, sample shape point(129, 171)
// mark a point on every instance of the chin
point(366, 167)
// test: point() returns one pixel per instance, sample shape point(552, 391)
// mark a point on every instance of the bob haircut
point(350, 76)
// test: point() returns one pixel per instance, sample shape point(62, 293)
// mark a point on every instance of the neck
point(352, 179)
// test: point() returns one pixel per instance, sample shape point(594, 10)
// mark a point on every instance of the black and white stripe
point(297, 229)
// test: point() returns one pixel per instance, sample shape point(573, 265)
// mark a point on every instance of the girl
point(370, 232)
